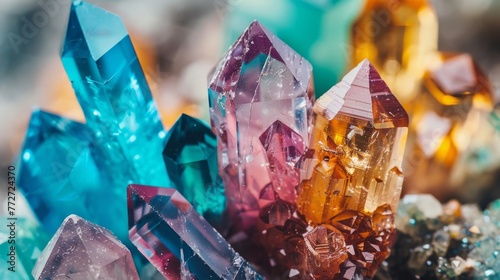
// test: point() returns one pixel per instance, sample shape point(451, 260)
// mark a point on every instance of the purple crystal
point(82, 250)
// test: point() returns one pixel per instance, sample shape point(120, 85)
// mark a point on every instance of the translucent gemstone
point(174, 237)
point(115, 98)
point(400, 39)
point(190, 155)
point(451, 131)
point(29, 240)
point(326, 250)
point(259, 82)
point(83, 250)
point(283, 147)
point(358, 125)
point(352, 177)
point(420, 208)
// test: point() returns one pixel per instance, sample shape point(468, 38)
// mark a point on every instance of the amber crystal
point(449, 125)
point(398, 37)
point(351, 177)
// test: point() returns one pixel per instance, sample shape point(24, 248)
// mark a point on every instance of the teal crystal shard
point(81, 250)
point(115, 98)
point(177, 240)
point(28, 240)
point(190, 156)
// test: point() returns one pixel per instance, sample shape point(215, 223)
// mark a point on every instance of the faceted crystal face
point(175, 238)
point(450, 128)
point(30, 240)
point(399, 38)
point(115, 98)
point(259, 89)
point(83, 250)
point(349, 142)
point(351, 178)
point(190, 156)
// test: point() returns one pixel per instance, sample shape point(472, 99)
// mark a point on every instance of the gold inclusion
point(399, 37)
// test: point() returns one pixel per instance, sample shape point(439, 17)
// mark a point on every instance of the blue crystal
point(115, 98)
point(190, 156)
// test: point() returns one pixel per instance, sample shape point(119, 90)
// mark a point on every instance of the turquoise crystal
point(115, 98)
point(29, 242)
point(190, 156)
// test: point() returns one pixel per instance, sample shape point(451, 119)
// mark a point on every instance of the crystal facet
point(450, 129)
point(83, 250)
point(260, 100)
point(28, 239)
point(115, 98)
point(352, 178)
point(177, 240)
point(190, 156)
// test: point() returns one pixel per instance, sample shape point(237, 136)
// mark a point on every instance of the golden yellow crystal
point(450, 118)
point(399, 37)
point(357, 145)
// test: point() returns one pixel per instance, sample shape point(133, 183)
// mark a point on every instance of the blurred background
point(179, 41)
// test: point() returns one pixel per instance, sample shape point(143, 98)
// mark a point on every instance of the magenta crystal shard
point(260, 103)
point(177, 240)
point(82, 250)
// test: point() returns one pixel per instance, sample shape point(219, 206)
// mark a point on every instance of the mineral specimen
point(82, 250)
point(260, 98)
point(450, 129)
point(179, 242)
point(115, 98)
point(352, 179)
point(399, 37)
point(28, 241)
point(190, 156)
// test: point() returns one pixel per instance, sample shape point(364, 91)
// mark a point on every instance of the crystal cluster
point(68, 167)
point(450, 241)
point(177, 240)
point(451, 129)
point(83, 250)
point(260, 98)
point(399, 38)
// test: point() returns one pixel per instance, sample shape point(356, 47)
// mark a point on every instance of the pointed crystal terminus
point(260, 86)
point(399, 38)
point(83, 250)
point(190, 156)
point(30, 239)
point(352, 179)
point(59, 175)
point(174, 237)
point(115, 98)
